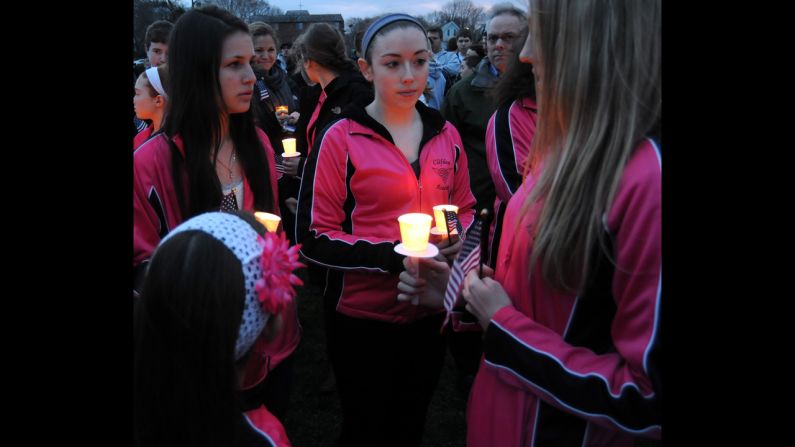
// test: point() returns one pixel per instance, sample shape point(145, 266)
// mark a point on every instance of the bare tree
point(463, 13)
point(147, 11)
point(247, 9)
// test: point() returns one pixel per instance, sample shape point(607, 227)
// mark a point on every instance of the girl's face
point(400, 67)
point(145, 104)
point(529, 55)
point(235, 74)
point(264, 52)
point(465, 69)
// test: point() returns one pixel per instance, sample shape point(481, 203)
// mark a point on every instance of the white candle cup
point(289, 146)
point(271, 221)
point(415, 228)
point(438, 215)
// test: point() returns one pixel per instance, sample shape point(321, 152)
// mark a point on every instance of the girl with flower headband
point(571, 317)
point(211, 156)
point(216, 285)
point(390, 157)
point(150, 101)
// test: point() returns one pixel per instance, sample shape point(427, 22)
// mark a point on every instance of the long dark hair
point(185, 328)
point(195, 110)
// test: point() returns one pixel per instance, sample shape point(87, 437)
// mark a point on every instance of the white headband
point(154, 79)
point(241, 239)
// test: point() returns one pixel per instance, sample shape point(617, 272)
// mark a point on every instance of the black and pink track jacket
point(508, 137)
point(579, 370)
point(259, 427)
point(156, 211)
point(355, 185)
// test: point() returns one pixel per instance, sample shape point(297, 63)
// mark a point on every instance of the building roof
point(450, 24)
point(304, 17)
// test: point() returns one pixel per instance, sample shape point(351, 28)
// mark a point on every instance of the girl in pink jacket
point(392, 157)
point(572, 313)
point(210, 157)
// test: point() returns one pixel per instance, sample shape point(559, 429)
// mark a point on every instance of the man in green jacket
point(468, 107)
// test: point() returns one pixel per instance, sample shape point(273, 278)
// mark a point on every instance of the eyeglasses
point(507, 38)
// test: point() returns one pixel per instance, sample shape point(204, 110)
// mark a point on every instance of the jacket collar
point(484, 78)
point(342, 80)
point(364, 124)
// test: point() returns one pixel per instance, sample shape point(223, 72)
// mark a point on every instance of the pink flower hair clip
point(278, 262)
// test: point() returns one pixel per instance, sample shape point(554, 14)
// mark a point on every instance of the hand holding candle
point(414, 232)
point(289, 148)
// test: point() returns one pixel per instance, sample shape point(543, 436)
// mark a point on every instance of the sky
point(369, 8)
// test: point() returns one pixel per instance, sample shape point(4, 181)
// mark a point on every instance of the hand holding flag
point(467, 259)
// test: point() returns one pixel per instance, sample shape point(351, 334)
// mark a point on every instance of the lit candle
point(281, 110)
point(271, 221)
point(289, 147)
point(438, 215)
point(414, 231)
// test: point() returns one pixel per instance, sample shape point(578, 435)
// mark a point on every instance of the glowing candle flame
point(271, 221)
point(414, 231)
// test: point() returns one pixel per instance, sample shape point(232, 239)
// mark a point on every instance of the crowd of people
point(551, 123)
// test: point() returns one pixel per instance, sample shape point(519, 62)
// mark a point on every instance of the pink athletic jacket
point(508, 137)
point(355, 185)
point(560, 369)
point(156, 211)
point(142, 136)
point(266, 427)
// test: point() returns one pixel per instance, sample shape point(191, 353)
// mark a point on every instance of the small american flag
point(468, 259)
point(453, 224)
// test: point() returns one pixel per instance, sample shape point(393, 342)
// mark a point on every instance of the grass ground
point(314, 417)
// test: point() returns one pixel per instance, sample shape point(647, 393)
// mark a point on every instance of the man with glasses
point(469, 108)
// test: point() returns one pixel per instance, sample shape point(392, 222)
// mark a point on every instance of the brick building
point(293, 23)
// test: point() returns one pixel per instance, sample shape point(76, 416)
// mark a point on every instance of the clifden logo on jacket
point(442, 168)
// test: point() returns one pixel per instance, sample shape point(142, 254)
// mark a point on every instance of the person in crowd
point(210, 156)
point(338, 83)
point(476, 49)
point(469, 65)
point(272, 89)
point(379, 161)
point(448, 61)
point(156, 45)
point(462, 41)
point(433, 95)
point(509, 135)
point(571, 313)
point(202, 308)
point(468, 107)
point(150, 101)
point(156, 42)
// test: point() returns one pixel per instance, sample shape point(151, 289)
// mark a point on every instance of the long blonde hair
point(599, 96)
